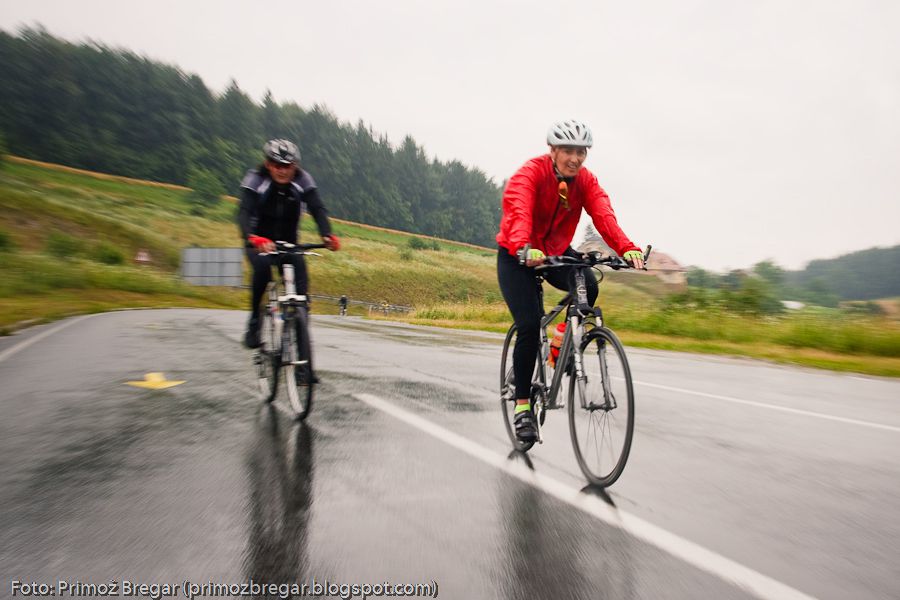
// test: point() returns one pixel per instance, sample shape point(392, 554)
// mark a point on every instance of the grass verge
point(871, 348)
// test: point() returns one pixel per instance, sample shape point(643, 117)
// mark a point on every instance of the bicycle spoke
point(598, 445)
point(611, 443)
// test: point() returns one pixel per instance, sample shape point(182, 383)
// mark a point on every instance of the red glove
point(334, 244)
point(258, 241)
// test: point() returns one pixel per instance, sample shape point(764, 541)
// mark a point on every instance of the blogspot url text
point(125, 588)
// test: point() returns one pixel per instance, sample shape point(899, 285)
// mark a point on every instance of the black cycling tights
point(517, 283)
point(262, 275)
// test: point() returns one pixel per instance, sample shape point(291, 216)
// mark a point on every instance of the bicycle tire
point(602, 463)
point(298, 378)
point(508, 391)
point(268, 357)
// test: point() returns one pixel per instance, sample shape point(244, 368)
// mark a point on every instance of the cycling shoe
point(526, 432)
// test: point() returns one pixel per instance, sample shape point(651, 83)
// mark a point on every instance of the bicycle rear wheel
point(268, 356)
point(508, 391)
point(601, 408)
point(298, 373)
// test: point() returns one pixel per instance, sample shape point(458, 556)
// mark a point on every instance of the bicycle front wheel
point(268, 356)
point(601, 408)
point(298, 373)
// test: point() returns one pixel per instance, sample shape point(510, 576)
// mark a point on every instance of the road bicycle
point(600, 391)
point(284, 336)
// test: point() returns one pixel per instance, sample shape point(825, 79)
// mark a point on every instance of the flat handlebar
point(289, 248)
point(589, 259)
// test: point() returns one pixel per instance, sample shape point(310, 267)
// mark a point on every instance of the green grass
point(862, 336)
point(65, 230)
point(67, 240)
point(394, 239)
point(839, 333)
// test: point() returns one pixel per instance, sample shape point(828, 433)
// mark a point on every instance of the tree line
point(103, 109)
point(865, 275)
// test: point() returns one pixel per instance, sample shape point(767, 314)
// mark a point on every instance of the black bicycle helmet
point(282, 151)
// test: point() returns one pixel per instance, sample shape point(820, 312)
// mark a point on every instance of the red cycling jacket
point(533, 213)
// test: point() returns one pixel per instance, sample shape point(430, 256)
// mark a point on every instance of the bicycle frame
point(577, 310)
point(565, 350)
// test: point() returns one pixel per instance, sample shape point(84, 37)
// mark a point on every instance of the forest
point(860, 276)
point(93, 107)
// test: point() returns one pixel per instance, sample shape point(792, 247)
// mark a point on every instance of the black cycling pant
point(262, 275)
point(519, 288)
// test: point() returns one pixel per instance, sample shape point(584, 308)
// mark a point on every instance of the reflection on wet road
point(280, 473)
point(200, 482)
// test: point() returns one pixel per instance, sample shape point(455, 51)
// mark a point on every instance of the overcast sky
point(725, 132)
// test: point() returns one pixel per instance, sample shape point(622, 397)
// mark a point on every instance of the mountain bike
point(600, 391)
point(284, 336)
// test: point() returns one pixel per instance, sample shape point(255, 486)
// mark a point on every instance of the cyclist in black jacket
point(272, 198)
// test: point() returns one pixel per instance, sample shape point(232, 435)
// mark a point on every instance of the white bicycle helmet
point(570, 133)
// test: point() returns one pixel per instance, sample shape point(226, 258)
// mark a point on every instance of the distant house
point(667, 268)
point(660, 264)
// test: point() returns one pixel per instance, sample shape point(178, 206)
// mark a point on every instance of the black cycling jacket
point(273, 211)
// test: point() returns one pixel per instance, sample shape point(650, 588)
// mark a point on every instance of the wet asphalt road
point(102, 481)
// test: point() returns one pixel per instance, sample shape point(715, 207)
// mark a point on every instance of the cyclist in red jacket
point(542, 204)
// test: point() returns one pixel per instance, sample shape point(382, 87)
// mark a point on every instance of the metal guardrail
point(382, 307)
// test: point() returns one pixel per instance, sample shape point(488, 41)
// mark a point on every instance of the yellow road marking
point(154, 381)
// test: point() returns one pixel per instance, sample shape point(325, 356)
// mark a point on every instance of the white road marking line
point(22, 345)
point(726, 569)
point(797, 411)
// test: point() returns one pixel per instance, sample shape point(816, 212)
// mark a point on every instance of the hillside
point(60, 223)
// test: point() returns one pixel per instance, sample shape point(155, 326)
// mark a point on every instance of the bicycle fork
point(609, 401)
point(578, 360)
point(289, 351)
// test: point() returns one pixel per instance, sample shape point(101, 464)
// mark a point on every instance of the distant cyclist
point(272, 197)
point(542, 204)
point(343, 304)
